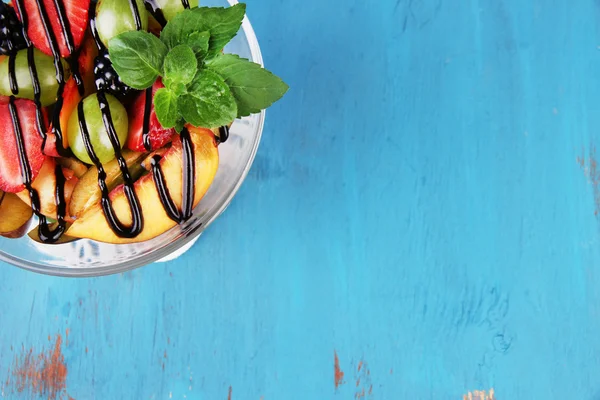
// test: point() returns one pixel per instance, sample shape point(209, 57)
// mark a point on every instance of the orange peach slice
point(14, 214)
point(45, 184)
point(92, 223)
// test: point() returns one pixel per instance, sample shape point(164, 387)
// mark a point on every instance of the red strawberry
point(50, 148)
point(71, 95)
point(77, 15)
point(159, 136)
point(71, 99)
point(11, 179)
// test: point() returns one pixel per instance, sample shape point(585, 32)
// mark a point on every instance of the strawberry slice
point(11, 179)
point(158, 135)
point(71, 99)
point(76, 12)
point(71, 96)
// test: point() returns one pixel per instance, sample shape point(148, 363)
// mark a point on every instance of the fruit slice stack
point(37, 114)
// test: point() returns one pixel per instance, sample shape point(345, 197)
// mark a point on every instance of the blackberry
point(107, 78)
point(11, 31)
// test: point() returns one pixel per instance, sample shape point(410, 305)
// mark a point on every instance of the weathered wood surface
point(422, 207)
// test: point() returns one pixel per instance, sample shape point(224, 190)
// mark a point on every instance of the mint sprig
point(137, 57)
point(253, 87)
point(208, 102)
point(166, 108)
point(203, 87)
point(222, 24)
point(180, 65)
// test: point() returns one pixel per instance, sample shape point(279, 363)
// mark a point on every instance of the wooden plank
point(417, 209)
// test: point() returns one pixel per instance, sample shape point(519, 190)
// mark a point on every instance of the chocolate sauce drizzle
point(154, 9)
point(146, 124)
point(223, 134)
point(136, 14)
point(188, 171)
point(188, 181)
point(134, 204)
point(46, 235)
point(60, 73)
point(93, 28)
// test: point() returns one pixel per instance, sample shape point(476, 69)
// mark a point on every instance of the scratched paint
point(364, 384)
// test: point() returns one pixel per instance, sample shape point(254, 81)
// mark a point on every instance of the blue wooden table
point(420, 223)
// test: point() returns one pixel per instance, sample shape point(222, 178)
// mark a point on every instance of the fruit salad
point(112, 113)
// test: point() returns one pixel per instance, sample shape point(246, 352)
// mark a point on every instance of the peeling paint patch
point(480, 395)
point(338, 374)
point(40, 374)
point(229, 395)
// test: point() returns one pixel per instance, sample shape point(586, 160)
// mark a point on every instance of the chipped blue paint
point(416, 205)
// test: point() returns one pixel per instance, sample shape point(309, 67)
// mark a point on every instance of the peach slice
point(45, 184)
point(87, 192)
point(92, 223)
point(78, 168)
point(14, 215)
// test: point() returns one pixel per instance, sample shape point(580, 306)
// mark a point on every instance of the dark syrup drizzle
point(223, 134)
point(93, 28)
point(189, 169)
point(12, 77)
point(37, 92)
point(46, 235)
point(134, 204)
point(188, 182)
point(23, 14)
point(154, 9)
point(60, 75)
point(146, 125)
point(136, 14)
point(51, 236)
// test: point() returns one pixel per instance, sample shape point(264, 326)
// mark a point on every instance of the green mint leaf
point(198, 41)
point(179, 125)
point(137, 57)
point(180, 65)
point(222, 23)
point(208, 102)
point(165, 106)
point(176, 87)
point(253, 87)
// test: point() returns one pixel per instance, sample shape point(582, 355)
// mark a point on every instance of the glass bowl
point(91, 258)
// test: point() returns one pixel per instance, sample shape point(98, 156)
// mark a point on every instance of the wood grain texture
point(416, 208)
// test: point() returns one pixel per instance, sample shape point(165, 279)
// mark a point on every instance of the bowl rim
point(195, 231)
